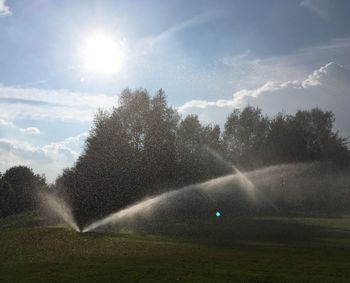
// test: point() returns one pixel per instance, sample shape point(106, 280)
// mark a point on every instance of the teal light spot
point(218, 214)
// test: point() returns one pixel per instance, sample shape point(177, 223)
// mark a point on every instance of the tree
point(189, 148)
point(160, 138)
point(245, 136)
point(285, 141)
point(133, 110)
point(316, 127)
point(7, 199)
point(19, 186)
point(306, 136)
point(130, 153)
point(102, 178)
point(141, 148)
point(195, 145)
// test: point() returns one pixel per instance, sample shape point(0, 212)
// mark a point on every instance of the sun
point(102, 54)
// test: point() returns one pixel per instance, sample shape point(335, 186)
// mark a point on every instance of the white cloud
point(238, 97)
point(4, 9)
point(247, 70)
point(32, 103)
point(30, 130)
point(48, 159)
point(328, 88)
point(17, 103)
point(8, 125)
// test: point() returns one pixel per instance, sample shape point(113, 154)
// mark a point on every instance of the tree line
point(143, 147)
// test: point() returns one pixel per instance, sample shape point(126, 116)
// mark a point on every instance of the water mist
point(59, 208)
point(212, 191)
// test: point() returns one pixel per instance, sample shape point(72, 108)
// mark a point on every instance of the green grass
point(236, 250)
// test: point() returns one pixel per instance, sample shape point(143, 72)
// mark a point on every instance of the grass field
point(235, 250)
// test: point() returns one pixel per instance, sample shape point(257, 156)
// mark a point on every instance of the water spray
point(211, 189)
point(60, 209)
point(149, 206)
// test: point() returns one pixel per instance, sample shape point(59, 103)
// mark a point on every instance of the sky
point(62, 60)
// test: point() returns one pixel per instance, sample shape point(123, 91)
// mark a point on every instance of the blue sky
point(209, 56)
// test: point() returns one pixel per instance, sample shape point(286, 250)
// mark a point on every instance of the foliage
point(252, 140)
point(307, 136)
point(136, 150)
point(142, 147)
point(245, 136)
point(18, 190)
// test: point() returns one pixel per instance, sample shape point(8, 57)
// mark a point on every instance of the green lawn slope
point(235, 250)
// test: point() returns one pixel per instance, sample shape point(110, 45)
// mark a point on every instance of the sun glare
point(102, 54)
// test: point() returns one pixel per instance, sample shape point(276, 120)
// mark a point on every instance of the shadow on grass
point(278, 230)
point(216, 231)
